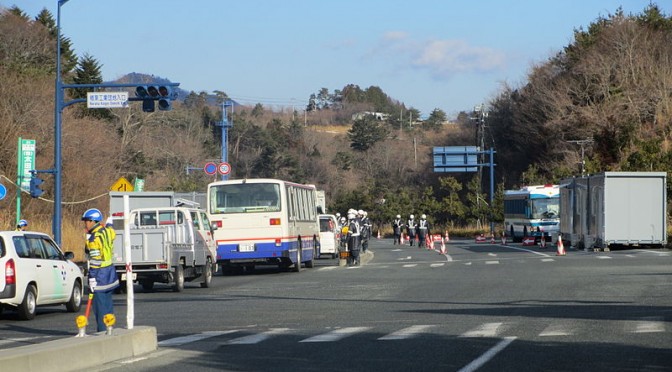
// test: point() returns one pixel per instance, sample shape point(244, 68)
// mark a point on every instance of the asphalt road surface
point(484, 307)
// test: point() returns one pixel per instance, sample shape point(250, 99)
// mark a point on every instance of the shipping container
point(614, 208)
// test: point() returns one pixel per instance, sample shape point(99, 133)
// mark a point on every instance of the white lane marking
point(193, 338)
point(480, 361)
point(547, 260)
point(656, 252)
point(525, 250)
point(603, 257)
point(491, 262)
point(484, 330)
point(437, 265)
point(327, 268)
point(649, 326)
point(492, 254)
point(555, 330)
point(256, 338)
point(402, 258)
point(410, 265)
point(336, 335)
point(629, 255)
point(405, 333)
point(397, 250)
point(467, 263)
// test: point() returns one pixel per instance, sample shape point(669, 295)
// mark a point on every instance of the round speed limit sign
point(224, 168)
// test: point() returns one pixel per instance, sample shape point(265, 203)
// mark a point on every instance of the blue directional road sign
point(3, 191)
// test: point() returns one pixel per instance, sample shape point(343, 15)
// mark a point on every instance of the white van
point(329, 235)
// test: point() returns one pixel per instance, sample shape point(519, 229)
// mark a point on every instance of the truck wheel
point(75, 302)
point(147, 285)
point(207, 274)
point(28, 307)
point(297, 264)
point(179, 279)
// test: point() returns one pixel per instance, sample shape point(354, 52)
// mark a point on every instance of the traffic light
point(151, 93)
point(35, 190)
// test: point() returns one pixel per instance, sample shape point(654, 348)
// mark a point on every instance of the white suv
point(34, 272)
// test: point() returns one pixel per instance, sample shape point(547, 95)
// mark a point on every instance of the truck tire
point(178, 286)
point(75, 303)
point(28, 307)
point(207, 274)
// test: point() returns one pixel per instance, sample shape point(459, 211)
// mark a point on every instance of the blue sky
point(450, 55)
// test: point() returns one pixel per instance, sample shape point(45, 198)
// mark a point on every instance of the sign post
point(26, 163)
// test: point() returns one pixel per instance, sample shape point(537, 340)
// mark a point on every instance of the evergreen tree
point(365, 132)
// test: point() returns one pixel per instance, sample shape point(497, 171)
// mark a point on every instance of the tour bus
point(264, 222)
point(532, 211)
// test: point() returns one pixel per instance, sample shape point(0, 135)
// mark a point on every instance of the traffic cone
point(492, 238)
point(401, 239)
point(543, 241)
point(378, 234)
point(447, 237)
point(443, 246)
point(561, 247)
point(503, 238)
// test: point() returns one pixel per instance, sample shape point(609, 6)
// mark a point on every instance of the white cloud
point(442, 59)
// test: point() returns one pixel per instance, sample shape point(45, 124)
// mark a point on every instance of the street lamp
point(58, 111)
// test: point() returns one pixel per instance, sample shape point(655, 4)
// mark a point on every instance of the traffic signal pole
point(164, 95)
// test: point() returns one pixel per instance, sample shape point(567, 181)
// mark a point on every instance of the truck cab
point(170, 245)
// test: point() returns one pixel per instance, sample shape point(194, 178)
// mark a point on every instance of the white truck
point(168, 245)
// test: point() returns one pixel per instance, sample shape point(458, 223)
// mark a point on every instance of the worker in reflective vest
point(102, 275)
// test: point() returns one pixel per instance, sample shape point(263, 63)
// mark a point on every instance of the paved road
point(478, 307)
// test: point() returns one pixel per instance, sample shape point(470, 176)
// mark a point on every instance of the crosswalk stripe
point(547, 260)
point(491, 262)
point(405, 333)
point(484, 330)
point(604, 257)
point(336, 335)
point(410, 265)
point(177, 341)
point(256, 338)
point(437, 264)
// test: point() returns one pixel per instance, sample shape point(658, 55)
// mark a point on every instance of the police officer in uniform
point(423, 230)
point(354, 238)
point(365, 224)
point(397, 225)
point(102, 275)
point(22, 225)
point(411, 226)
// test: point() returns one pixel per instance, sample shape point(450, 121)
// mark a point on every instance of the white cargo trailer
point(614, 208)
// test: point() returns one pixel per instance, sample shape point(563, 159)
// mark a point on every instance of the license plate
point(246, 247)
point(133, 275)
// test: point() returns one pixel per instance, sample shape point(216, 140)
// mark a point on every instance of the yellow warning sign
point(122, 184)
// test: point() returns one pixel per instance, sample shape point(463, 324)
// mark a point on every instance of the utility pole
point(583, 143)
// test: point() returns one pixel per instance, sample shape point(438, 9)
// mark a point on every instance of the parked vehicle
point(35, 272)
point(168, 245)
point(329, 236)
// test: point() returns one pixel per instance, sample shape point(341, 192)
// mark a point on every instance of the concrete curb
point(78, 353)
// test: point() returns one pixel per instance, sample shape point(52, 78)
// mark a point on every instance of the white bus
point(264, 222)
point(532, 211)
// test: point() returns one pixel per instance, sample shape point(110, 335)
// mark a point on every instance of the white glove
point(109, 221)
point(92, 284)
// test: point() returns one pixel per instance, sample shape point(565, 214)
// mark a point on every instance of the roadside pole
point(130, 296)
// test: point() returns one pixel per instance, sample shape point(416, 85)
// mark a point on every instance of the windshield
point(245, 198)
point(545, 208)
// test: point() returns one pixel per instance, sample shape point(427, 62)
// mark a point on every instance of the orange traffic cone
point(447, 237)
point(443, 246)
point(401, 238)
point(561, 247)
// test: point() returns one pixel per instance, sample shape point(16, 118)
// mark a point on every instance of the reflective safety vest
point(100, 246)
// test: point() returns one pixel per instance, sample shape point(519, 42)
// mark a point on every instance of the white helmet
point(352, 211)
point(398, 216)
point(360, 212)
point(351, 216)
point(423, 216)
point(364, 213)
point(338, 215)
point(342, 219)
point(411, 217)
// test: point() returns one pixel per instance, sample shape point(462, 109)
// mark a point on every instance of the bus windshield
point(545, 208)
point(244, 198)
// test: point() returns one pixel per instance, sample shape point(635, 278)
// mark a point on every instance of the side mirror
point(69, 256)
point(213, 226)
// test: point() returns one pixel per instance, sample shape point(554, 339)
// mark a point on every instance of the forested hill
point(611, 86)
